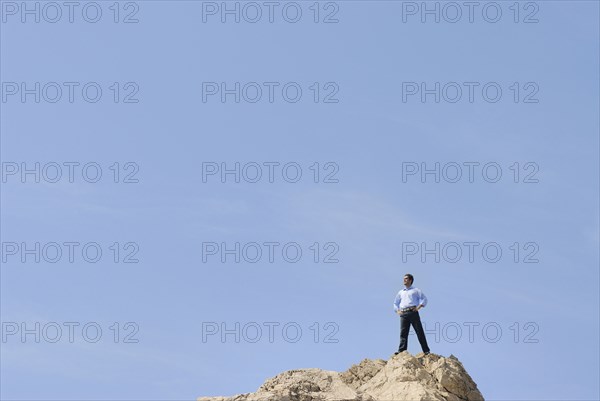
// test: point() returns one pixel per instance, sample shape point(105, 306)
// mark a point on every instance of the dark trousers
point(405, 321)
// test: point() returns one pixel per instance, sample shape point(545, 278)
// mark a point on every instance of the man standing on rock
point(407, 304)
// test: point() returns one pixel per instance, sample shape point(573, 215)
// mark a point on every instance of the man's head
point(408, 279)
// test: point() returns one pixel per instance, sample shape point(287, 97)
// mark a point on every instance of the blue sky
point(172, 295)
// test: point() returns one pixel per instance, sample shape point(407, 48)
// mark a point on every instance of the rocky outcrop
point(403, 377)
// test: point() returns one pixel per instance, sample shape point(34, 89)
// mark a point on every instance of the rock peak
point(404, 377)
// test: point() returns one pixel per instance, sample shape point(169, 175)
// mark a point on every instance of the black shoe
point(426, 353)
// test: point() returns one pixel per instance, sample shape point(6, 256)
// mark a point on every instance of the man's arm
point(422, 299)
point(397, 303)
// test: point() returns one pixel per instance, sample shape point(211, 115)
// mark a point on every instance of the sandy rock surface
point(404, 377)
